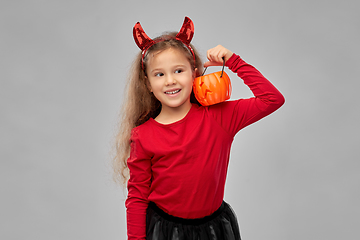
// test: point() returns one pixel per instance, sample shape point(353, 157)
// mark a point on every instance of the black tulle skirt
point(221, 225)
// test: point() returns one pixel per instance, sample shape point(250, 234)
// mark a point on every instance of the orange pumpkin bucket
point(212, 88)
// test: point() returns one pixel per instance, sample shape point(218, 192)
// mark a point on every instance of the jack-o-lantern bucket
point(212, 88)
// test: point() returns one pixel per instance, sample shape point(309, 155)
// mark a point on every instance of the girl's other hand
point(216, 54)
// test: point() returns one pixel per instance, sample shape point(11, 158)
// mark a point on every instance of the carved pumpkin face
point(211, 88)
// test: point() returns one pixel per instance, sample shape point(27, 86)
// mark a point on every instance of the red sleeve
point(138, 189)
point(235, 115)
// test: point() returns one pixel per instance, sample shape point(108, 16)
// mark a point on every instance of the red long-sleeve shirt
point(182, 166)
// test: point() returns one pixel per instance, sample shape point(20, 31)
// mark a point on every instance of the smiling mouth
point(173, 92)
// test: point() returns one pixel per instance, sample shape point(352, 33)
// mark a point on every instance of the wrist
point(228, 56)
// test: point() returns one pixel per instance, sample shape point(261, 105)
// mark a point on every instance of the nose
point(170, 80)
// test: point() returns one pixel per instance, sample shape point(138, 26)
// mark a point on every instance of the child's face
point(170, 78)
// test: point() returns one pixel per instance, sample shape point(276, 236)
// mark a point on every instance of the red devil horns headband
point(185, 35)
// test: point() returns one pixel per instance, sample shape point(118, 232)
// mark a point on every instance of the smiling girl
point(170, 77)
point(175, 150)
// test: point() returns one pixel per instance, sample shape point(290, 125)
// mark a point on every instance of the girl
point(178, 151)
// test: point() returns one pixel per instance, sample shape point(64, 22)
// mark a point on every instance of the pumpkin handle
point(222, 71)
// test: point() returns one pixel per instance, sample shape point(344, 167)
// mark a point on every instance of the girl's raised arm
point(235, 115)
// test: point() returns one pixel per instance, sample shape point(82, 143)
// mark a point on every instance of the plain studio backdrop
point(293, 175)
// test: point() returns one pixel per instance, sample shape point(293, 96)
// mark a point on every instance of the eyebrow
point(160, 69)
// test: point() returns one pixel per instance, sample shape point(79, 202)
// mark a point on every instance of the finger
point(211, 53)
point(212, 63)
point(207, 64)
point(218, 52)
point(221, 54)
point(215, 55)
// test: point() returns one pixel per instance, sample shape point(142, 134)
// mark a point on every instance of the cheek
point(155, 85)
point(192, 78)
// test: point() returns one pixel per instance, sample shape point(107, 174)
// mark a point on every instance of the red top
point(182, 166)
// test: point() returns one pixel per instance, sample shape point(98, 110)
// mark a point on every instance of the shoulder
point(224, 106)
point(141, 130)
point(140, 140)
point(142, 127)
point(219, 109)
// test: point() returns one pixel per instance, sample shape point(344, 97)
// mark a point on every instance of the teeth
point(173, 92)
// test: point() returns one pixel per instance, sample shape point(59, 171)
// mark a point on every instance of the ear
point(148, 84)
point(194, 74)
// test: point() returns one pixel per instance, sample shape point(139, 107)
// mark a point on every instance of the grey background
point(293, 175)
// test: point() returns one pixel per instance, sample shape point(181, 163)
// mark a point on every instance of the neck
point(170, 115)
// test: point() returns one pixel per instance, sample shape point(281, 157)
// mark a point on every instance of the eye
point(159, 74)
point(179, 71)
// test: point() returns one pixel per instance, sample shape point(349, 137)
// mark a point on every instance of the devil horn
point(186, 32)
point(140, 37)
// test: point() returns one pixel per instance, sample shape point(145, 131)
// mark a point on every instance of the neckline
point(177, 122)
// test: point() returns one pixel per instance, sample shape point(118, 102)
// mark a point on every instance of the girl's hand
point(216, 54)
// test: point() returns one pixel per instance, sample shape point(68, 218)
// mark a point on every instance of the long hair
point(139, 104)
